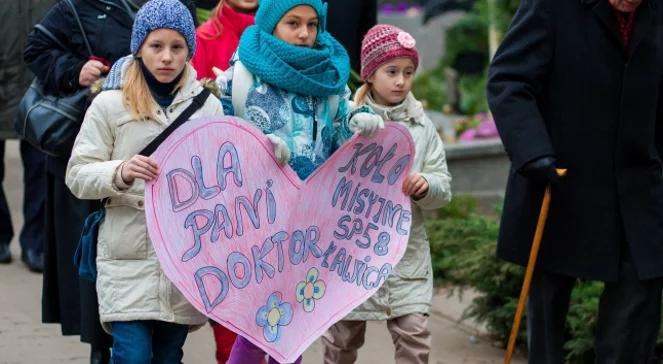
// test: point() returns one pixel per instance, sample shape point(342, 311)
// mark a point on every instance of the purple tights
point(244, 352)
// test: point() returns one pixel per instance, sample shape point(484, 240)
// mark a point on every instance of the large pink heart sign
point(273, 258)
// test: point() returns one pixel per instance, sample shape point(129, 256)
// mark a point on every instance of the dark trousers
point(628, 322)
point(34, 197)
point(148, 342)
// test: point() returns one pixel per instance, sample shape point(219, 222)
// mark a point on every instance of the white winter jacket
point(409, 288)
point(130, 282)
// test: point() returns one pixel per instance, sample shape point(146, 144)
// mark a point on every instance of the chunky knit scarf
point(319, 71)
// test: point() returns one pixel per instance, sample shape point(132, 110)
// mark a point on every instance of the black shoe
point(99, 356)
point(5, 254)
point(34, 260)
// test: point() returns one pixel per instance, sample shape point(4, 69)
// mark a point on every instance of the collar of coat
point(409, 110)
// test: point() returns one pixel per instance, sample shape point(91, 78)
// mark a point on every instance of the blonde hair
point(361, 93)
point(137, 96)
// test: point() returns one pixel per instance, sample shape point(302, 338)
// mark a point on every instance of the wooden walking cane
point(533, 254)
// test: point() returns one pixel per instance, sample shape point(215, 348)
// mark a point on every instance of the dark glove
point(541, 171)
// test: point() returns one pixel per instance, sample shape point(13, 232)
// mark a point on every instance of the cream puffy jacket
point(130, 282)
point(409, 288)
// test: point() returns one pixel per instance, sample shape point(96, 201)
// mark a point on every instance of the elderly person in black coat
point(578, 85)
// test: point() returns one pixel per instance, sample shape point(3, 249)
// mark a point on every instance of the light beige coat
point(409, 288)
point(130, 282)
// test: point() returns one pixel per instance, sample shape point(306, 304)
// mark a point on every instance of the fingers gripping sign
point(415, 186)
point(139, 166)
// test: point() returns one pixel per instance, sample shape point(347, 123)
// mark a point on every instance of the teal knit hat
point(270, 12)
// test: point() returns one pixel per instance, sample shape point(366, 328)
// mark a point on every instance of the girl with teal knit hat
point(288, 77)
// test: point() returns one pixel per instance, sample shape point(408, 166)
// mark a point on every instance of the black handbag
point(51, 122)
point(86, 251)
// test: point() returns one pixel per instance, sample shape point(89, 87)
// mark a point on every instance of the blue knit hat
point(270, 12)
point(160, 14)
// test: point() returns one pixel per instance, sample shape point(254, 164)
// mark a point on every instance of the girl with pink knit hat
point(389, 60)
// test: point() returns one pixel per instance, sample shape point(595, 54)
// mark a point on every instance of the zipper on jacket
point(315, 121)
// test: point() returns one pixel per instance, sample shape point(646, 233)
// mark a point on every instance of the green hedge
point(463, 251)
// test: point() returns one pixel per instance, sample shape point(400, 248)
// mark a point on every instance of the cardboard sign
point(273, 258)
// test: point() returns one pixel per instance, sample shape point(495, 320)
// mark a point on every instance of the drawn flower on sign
point(310, 290)
point(274, 315)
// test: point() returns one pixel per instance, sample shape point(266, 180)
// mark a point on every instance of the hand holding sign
point(276, 259)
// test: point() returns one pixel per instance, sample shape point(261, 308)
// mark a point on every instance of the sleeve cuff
point(118, 182)
point(436, 196)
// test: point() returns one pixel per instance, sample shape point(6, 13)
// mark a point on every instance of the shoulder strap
point(333, 105)
point(50, 35)
point(241, 84)
point(80, 25)
point(198, 102)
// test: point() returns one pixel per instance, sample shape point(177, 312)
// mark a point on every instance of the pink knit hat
point(383, 43)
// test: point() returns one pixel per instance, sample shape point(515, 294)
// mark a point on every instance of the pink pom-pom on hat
point(383, 43)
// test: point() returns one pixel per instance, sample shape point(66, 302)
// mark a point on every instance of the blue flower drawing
point(274, 315)
point(310, 290)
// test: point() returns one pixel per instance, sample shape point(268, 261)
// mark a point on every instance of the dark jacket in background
point(107, 26)
point(18, 17)
point(348, 21)
point(65, 300)
point(561, 84)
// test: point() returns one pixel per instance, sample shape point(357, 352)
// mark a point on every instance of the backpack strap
point(241, 84)
point(333, 105)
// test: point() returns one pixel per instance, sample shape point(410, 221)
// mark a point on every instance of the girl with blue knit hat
point(288, 77)
point(143, 94)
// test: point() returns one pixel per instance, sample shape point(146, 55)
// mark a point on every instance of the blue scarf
point(320, 71)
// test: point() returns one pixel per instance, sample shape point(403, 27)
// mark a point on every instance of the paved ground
point(24, 339)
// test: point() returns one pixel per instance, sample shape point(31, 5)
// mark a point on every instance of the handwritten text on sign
point(276, 259)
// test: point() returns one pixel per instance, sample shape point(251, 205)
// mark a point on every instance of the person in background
point(577, 85)
point(348, 21)
point(218, 37)
point(107, 23)
point(148, 317)
point(19, 17)
point(389, 60)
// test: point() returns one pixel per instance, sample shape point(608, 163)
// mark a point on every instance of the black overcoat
point(65, 300)
point(562, 84)
point(348, 21)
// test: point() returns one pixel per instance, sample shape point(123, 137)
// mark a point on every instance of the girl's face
point(391, 82)
point(164, 53)
point(299, 26)
point(244, 6)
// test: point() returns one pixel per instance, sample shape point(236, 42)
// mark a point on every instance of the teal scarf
point(319, 71)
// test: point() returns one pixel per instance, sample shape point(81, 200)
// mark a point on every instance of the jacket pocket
point(126, 233)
